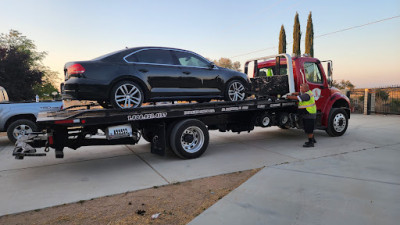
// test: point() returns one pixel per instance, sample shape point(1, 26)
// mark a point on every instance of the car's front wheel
point(235, 91)
point(126, 95)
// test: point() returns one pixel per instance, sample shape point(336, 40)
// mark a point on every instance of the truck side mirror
point(329, 71)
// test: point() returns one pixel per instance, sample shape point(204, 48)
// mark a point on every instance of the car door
point(156, 67)
point(197, 76)
point(318, 85)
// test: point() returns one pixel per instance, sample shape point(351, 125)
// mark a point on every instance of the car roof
point(117, 55)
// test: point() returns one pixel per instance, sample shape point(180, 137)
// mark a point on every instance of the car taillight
point(75, 69)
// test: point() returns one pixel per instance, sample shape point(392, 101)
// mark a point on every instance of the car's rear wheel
point(235, 91)
point(126, 95)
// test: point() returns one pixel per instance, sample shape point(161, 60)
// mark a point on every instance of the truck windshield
point(264, 71)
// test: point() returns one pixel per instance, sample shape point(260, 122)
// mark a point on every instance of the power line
point(322, 35)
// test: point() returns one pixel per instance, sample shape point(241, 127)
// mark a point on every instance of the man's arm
point(292, 97)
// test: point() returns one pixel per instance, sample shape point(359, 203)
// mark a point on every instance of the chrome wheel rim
point(196, 141)
point(21, 130)
point(128, 96)
point(266, 120)
point(339, 122)
point(236, 91)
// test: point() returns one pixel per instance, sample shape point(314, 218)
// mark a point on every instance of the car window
point(156, 56)
point(312, 73)
point(188, 59)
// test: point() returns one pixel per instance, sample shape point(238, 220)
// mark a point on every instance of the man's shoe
point(308, 144)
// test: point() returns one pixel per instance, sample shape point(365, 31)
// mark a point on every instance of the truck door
point(317, 82)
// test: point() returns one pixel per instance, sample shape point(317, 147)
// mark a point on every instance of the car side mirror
point(211, 66)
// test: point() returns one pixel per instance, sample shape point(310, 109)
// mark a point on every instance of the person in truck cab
point(307, 110)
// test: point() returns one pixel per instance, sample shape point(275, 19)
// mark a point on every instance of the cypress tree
point(296, 36)
point(310, 37)
point(282, 40)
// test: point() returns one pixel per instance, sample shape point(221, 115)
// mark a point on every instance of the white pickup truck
point(19, 118)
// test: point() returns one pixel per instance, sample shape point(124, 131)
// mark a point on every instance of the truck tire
point(126, 95)
point(284, 121)
point(20, 128)
point(189, 138)
point(337, 122)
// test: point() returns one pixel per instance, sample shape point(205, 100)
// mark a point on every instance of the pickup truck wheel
point(337, 122)
point(126, 95)
point(20, 128)
point(235, 91)
point(189, 139)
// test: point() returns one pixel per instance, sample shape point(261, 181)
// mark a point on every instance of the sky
point(70, 30)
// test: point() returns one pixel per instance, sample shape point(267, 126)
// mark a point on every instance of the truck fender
point(337, 100)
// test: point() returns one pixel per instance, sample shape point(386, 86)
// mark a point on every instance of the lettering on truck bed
point(147, 116)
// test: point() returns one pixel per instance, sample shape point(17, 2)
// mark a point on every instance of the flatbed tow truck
point(183, 128)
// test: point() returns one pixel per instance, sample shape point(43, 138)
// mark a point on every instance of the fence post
point(373, 94)
point(366, 102)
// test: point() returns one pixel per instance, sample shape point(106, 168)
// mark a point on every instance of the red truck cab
point(332, 105)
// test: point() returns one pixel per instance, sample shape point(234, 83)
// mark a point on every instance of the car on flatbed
point(130, 77)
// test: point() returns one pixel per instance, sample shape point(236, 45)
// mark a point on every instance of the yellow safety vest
point(310, 104)
point(269, 72)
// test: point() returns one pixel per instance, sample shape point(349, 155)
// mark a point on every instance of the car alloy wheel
point(127, 95)
point(236, 91)
point(22, 130)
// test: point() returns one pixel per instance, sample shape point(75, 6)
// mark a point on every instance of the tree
point(227, 63)
point(296, 36)
point(310, 37)
point(282, 40)
point(50, 81)
point(343, 84)
point(21, 69)
point(382, 94)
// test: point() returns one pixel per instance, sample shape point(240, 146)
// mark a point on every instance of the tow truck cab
point(311, 71)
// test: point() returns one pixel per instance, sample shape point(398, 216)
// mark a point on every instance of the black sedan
point(129, 77)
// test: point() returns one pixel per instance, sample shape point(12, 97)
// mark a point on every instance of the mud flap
point(159, 142)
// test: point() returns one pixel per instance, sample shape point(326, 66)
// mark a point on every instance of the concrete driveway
point(91, 172)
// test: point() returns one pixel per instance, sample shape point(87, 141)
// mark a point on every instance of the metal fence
point(385, 100)
point(357, 100)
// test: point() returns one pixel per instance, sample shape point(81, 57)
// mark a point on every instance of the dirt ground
point(177, 203)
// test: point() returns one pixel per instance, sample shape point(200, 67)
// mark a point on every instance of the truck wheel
point(235, 91)
point(337, 122)
point(189, 139)
point(284, 121)
point(20, 128)
point(126, 95)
